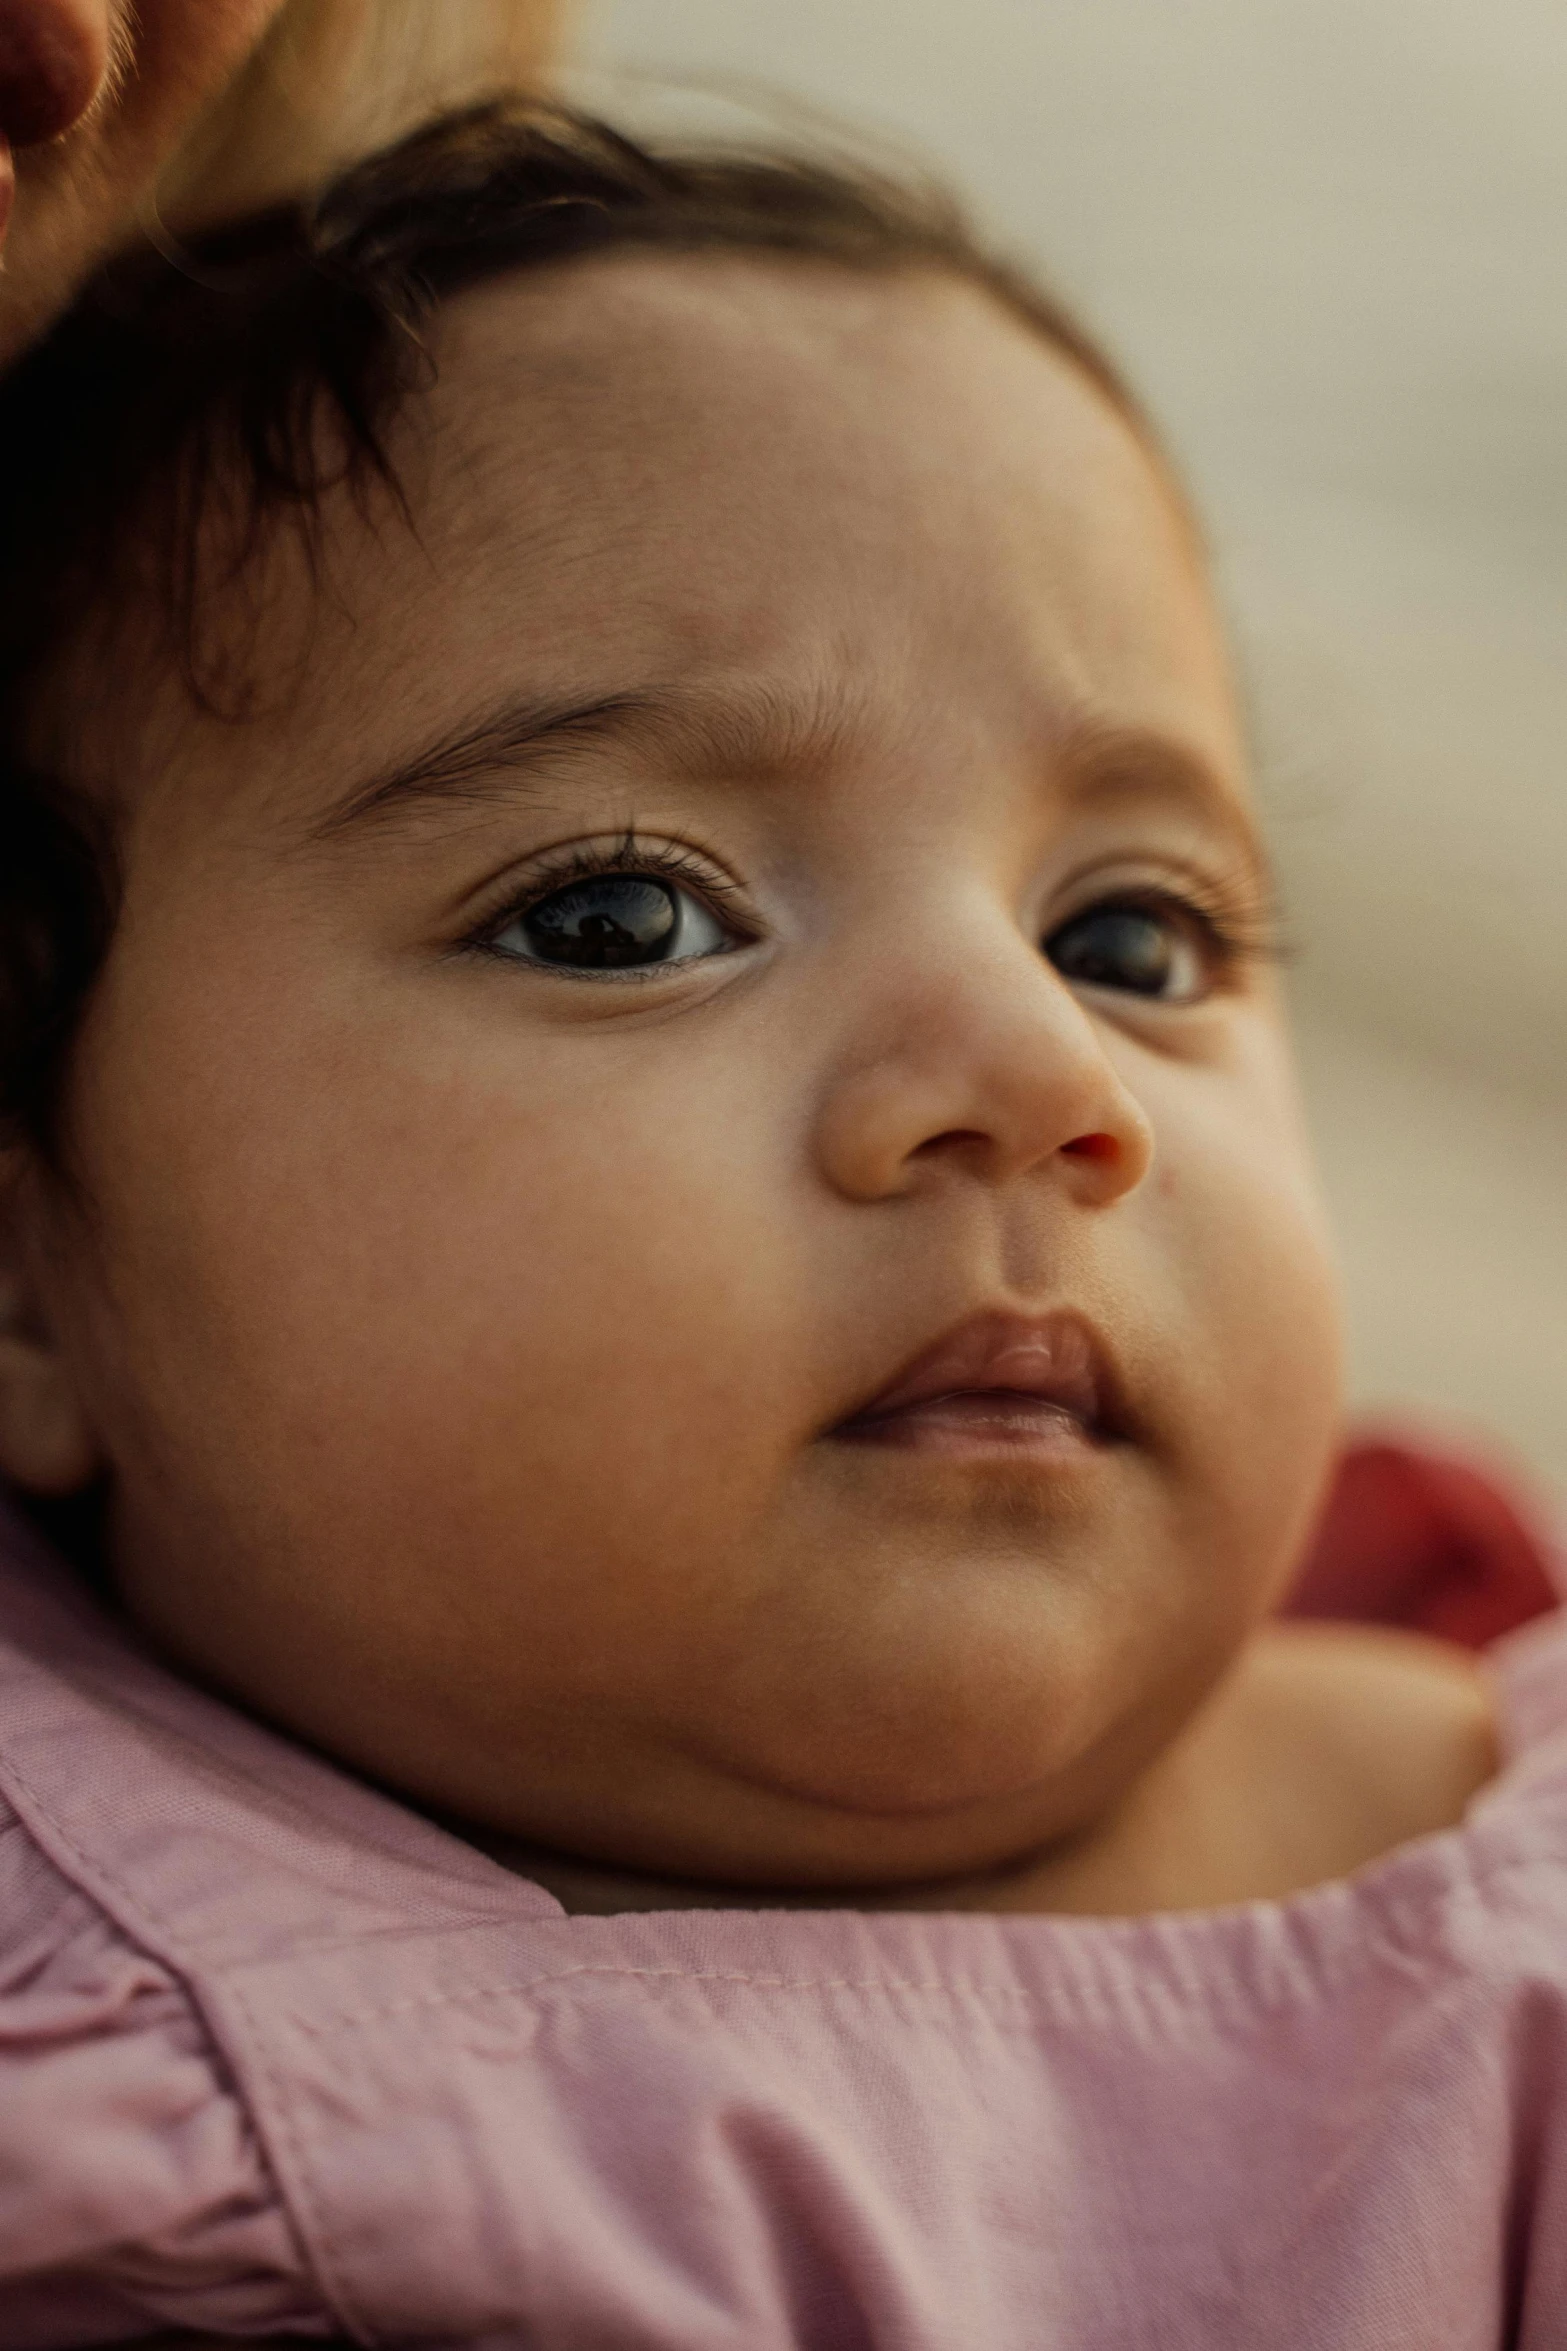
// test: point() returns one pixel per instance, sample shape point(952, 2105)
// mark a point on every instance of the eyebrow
point(473, 763)
point(1099, 761)
point(753, 729)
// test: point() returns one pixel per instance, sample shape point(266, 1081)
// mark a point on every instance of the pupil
point(609, 921)
point(1117, 950)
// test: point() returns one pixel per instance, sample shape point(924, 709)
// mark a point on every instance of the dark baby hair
point(246, 376)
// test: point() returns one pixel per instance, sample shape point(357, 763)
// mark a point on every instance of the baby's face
point(700, 1246)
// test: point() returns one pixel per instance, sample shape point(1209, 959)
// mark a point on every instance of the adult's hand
point(53, 58)
point(98, 96)
point(94, 95)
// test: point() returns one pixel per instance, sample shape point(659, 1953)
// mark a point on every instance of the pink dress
point(277, 2054)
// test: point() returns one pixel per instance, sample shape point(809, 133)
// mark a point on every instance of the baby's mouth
point(996, 1383)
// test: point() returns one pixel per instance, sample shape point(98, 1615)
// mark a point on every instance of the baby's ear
point(48, 1444)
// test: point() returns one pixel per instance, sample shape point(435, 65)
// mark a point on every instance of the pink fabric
point(274, 2053)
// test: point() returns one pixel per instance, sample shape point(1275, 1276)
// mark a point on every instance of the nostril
point(950, 1138)
point(53, 58)
point(1097, 1147)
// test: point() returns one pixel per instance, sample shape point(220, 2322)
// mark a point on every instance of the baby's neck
point(1327, 1746)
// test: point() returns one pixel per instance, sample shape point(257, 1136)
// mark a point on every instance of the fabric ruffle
point(133, 2191)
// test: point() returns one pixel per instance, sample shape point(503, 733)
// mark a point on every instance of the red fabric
point(1427, 1542)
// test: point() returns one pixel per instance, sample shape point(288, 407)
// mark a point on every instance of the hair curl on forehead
point(189, 404)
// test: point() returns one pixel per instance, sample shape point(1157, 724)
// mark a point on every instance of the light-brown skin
point(464, 1341)
point(114, 114)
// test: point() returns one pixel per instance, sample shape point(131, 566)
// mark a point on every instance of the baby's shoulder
point(1370, 1737)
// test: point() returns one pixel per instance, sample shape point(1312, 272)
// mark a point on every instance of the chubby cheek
point(449, 1366)
point(1234, 1219)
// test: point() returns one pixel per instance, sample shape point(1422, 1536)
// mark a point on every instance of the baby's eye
point(1161, 951)
point(612, 922)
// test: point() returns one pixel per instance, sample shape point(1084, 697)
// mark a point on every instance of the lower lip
point(978, 1426)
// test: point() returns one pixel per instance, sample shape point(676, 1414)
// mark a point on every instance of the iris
point(604, 923)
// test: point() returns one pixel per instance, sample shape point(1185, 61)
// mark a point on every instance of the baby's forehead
point(640, 381)
point(839, 504)
point(720, 462)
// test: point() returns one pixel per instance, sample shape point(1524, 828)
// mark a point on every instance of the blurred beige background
point(1329, 240)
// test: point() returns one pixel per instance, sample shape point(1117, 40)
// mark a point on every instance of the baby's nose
point(997, 1070)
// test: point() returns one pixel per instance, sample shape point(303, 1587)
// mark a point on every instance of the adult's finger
point(54, 55)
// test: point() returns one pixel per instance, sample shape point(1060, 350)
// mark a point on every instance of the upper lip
point(1057, 1357)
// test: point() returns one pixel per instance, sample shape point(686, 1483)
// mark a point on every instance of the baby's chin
point(929, 1779)
point(907, 1669)
point(738, 1842)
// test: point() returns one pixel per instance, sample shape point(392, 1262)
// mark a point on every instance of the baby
point(657, 1204)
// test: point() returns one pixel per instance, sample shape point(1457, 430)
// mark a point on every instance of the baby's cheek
point(1245, 1240)
point(476, 1394)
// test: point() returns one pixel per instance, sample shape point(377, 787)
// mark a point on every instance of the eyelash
point(670, 860)
point(1237, 929)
